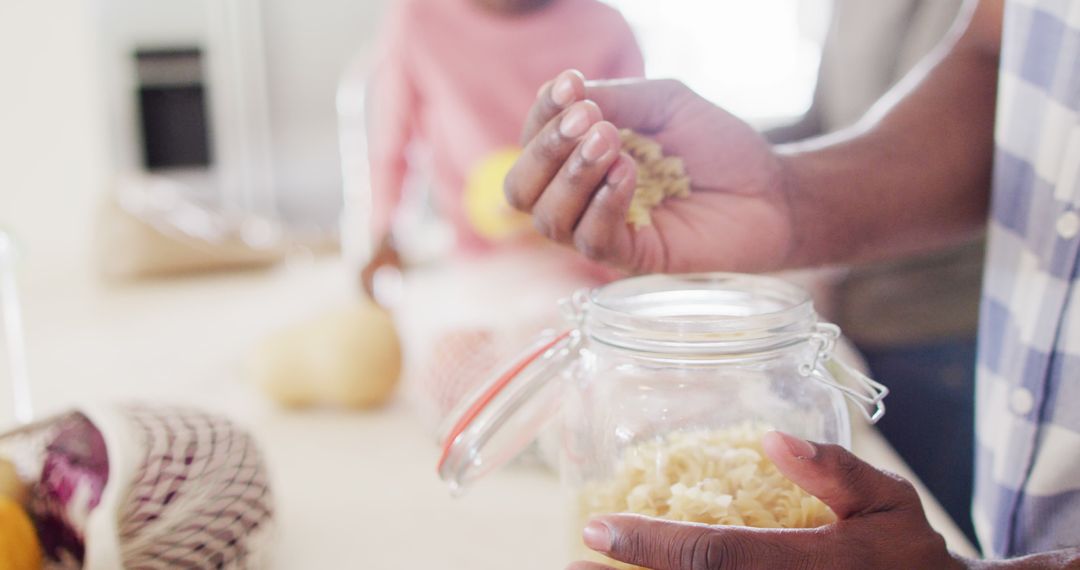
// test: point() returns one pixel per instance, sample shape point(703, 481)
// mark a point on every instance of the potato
point(349, 357)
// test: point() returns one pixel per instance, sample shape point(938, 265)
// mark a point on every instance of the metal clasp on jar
point(867, 393)
point(572, 308)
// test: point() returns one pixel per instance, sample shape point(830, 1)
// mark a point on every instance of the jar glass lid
point(704, 314)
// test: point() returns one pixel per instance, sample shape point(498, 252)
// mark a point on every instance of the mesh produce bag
point(145, 487)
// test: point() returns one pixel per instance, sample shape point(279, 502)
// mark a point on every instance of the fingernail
point(575, 123)
point(595, 147)
point(562, 93)
point(597, 536)
point(800, 448)
point(619, 173)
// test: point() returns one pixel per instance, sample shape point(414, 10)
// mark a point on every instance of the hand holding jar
point(873, 507)
point(660, 394)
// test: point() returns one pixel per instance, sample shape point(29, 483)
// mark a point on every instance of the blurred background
point(93, 87)
point(146, 139)
point(182, 180)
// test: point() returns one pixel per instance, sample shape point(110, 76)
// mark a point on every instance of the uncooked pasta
point(658, 177)
point(717, 477)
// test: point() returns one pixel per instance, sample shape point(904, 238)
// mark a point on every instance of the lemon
point(485, 205)
point(10, 484)
point(19, 547)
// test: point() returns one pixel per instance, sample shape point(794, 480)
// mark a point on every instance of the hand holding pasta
point(658, 177)
point(722, 203)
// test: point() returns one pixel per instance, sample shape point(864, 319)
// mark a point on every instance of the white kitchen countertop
point(354, 490)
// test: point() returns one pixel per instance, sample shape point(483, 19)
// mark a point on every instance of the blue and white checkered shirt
point(1027, 491)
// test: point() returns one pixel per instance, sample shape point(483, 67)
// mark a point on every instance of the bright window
point(756, 58)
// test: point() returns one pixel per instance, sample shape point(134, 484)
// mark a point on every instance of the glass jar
point(664, 385)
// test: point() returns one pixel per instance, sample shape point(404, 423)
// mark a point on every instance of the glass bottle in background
point(15, 404)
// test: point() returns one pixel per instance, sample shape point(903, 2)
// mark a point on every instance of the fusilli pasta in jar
point(716, 477)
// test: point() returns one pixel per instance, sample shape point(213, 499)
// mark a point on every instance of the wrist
point(1067, 558)
point(384, 247)
point(386, 241)
point(793, 189)
point(831, 220)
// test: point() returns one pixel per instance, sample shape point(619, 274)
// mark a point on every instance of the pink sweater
point(461, 79)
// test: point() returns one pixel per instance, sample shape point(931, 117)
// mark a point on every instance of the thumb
point(847, 484)
point(668, 545)
point(644, 105)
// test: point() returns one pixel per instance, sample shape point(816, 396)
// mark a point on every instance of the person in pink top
point(459, 76)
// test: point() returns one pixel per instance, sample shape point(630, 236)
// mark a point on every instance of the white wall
point(55, 154)
point(309, 43)
point(52, 160)
point(758, 59)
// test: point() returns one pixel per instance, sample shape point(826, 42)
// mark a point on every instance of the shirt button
point(1021, 401)
point(1068, 225)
